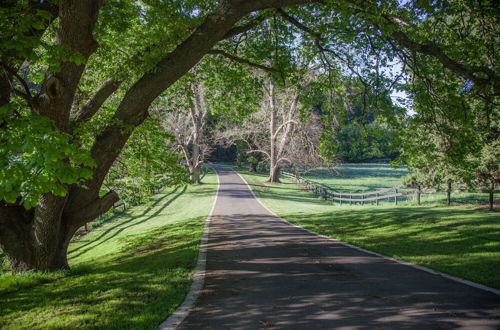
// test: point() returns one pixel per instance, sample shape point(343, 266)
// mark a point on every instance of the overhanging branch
point(79, 217)
point(243, 60)
point(246, 27)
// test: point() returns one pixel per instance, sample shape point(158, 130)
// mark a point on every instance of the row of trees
point(90, 89)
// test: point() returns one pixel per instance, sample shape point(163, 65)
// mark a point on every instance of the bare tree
point(277, 132)
point(187, 125)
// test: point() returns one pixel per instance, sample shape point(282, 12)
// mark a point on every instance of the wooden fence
point(392, 194)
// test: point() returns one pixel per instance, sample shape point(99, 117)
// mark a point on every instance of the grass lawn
point(358, 177)
point(128, 273)
point(460, 240)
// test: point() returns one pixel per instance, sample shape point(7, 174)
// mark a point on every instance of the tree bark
point(274, 176)
point(272, 130)
point(448, 193)
point(196, 175)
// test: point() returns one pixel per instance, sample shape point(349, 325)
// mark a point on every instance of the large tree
point(283, 132)
point(185, 116)
point(55, 53)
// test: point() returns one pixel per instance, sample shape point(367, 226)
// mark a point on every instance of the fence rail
point(375, 196)
point(371, 196)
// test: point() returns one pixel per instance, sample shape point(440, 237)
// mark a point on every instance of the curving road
point(265, 273)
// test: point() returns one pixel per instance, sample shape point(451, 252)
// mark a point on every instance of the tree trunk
point(273, 168)
point(419, 192)
point(253, 167)
point(44, 254)
point(274, 174)
point(195, 174)
point(492, 191)
point(448, 193)
point(38, 239)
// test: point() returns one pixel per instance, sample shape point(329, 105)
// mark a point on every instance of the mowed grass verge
point(129, 273)
point(458, 240)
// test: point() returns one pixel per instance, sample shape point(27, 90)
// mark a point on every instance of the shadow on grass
point(138, 289)
point(119, 227)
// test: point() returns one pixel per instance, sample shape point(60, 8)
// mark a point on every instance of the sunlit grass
point(358, 177)
point(129, 273)
point(460, 240)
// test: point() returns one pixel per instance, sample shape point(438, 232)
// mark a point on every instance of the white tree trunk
point(272, 135)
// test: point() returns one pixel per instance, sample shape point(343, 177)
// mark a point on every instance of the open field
point(358, 177)
point(460, 240)
point(130, 272)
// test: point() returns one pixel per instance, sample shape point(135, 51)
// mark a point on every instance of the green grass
point(460, 240)
point(358, 177)
point(129, 273)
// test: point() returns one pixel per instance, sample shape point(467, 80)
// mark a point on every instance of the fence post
point(325, 197)
point(340, 199)
point(377, 199)
point(350, 201)
point(362, 200)
point(396, 198)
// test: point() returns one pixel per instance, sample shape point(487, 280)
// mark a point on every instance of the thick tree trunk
point(38, 239)
point(37, 246)
point(27, 259)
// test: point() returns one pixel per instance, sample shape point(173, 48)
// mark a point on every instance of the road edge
point(176, 318)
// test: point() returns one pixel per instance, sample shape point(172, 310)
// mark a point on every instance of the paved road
point(265, 273)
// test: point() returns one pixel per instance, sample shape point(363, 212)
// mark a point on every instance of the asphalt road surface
point(264, 273)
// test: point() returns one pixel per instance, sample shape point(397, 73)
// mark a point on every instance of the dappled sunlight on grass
point(131, 272)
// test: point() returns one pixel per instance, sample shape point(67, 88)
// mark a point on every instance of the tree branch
point(317, 41)
point(243, 60)
point(258, 151)
point(246, 27)
point(436, 52)
point(298, 24)
point(93, 104)
point(79, 217)
point(27, 94)
point(283, 126)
